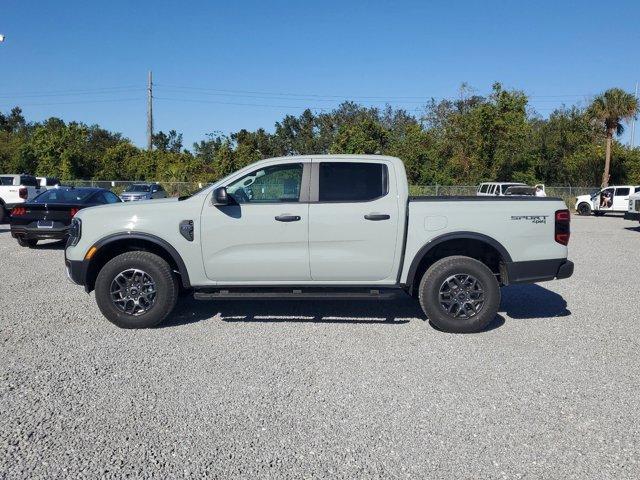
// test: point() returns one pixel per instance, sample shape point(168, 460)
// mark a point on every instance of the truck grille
point(637, 205)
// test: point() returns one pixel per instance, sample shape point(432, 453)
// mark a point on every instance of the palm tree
point(610, 109)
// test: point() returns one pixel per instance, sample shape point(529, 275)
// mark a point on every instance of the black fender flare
point(182, 268)
point(415, 263)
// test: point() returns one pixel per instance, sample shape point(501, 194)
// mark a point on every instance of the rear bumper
point(537, 271)
point(39, 233)
point(632, 216)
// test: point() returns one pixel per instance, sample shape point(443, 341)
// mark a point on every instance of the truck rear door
point(354, 224)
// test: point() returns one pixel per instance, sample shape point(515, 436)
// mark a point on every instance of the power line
point(238, 103)
point(217, 91)
point(109, 100)
point(62, 93)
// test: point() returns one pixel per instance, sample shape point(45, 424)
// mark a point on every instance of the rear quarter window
point(28, 181)
point(352, 181)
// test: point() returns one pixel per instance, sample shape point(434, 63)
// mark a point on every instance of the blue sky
point(222, 66)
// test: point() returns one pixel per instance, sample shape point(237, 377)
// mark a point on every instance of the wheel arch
point(471, 244)
point(113, 245)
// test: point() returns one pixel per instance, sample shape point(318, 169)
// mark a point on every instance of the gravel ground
point(334, 389)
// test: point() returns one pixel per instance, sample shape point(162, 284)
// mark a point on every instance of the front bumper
point(77, 271)
point(39, 233)
point(632, 216)
point(537, 271)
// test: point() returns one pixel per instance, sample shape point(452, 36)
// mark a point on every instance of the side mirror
point(220, 196)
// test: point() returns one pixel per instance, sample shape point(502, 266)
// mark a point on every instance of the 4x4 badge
point(532, 218)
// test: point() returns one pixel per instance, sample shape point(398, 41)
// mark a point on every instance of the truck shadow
point(518, 302)
point(532, 301)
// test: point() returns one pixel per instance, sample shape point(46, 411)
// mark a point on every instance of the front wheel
point(459, 294)
point(136, 290)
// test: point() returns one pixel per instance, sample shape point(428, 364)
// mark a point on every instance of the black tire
point(23, 242)
point(162, 303)
point(3, 214)
point(434, 280)
point(584, 209)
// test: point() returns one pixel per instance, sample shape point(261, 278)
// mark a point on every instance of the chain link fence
point(176, 189)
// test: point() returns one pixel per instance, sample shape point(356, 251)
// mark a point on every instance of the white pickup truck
point(633, 212)
point(335, 225)
point(14, 190)
point(611, 199)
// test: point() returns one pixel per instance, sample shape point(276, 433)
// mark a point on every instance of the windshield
point(63, 195)
point(137, 188)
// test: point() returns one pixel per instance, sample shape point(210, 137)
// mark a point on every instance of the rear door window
point(352, 181)
point(622, 192)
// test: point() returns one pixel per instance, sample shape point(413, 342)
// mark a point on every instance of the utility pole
point(150, 112)
point(633, 123)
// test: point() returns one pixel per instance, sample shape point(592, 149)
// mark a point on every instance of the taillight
point(73, 212)
point(23, 192)
point(18, 211)
point(563, 230)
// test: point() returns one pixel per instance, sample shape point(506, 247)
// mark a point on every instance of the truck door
point(354, 221)
point(621, 199)
point(262, 236)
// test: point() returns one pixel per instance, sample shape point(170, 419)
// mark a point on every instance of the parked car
point(610, 199)
point(496, 188)
point(143, 191)
point(48, 182)
point(633, 211)
point(14, 190)
point(49, 215)
point(332, 225)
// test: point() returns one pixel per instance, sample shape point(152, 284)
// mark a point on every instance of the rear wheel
point(459, 294)
point(3, 214)
point(23, 242)
point(584, 209)
point(136, 290)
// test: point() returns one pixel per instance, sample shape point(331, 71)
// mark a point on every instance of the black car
point(49, 215)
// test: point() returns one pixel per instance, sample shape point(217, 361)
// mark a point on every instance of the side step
point(298, 292)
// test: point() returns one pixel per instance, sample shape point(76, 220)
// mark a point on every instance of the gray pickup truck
point(320, 225)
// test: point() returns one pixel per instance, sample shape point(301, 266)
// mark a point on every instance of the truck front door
point(262, 236)
point(355, 217)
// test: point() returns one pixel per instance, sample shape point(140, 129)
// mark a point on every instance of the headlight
point(75, 231)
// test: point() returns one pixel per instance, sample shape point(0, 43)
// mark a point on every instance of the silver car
point(143, 191)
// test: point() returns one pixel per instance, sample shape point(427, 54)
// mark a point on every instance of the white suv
point(610, 199)
point(496, 188)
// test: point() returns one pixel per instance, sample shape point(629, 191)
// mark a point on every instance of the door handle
point(288, 218)
point(376, 217)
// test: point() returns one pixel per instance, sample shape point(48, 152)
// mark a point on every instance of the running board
point(293, 292)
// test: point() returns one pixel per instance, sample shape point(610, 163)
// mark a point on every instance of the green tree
point(610, 109)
